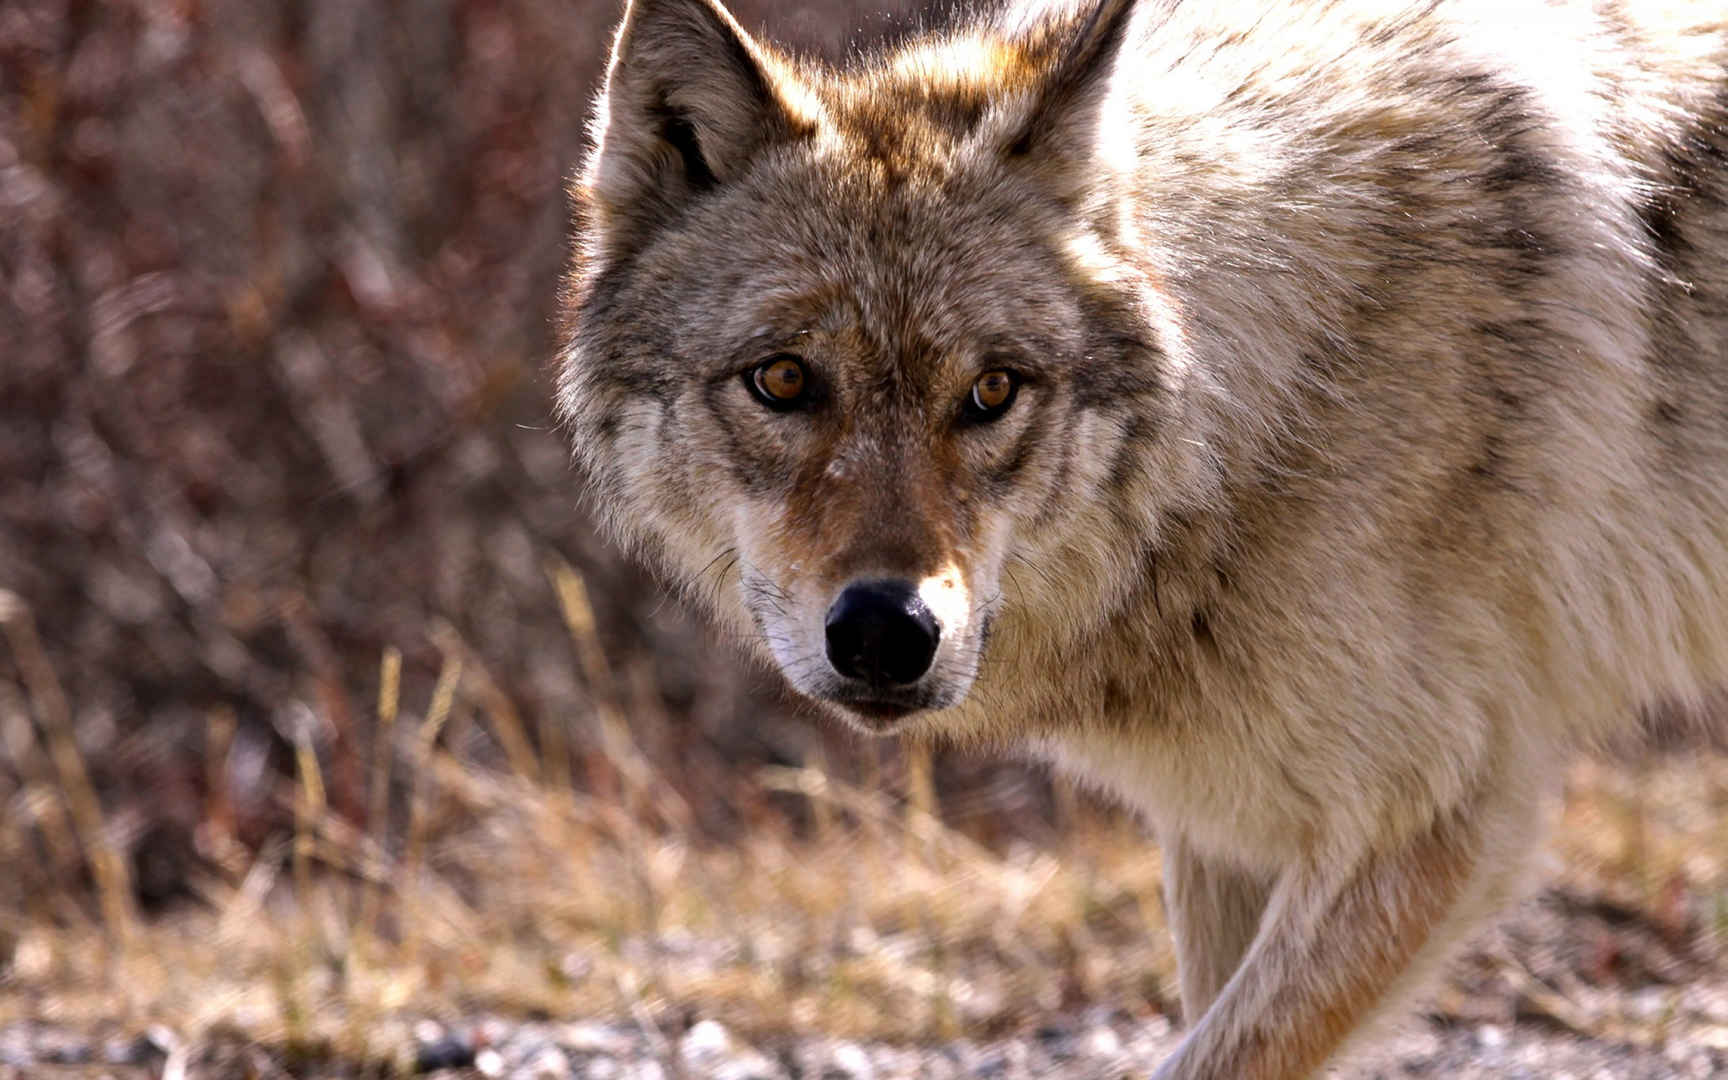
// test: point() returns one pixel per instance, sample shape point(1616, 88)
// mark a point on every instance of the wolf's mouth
point(881, 711)
point(879, 715)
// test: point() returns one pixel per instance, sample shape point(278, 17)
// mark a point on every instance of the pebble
point(441, 1051)
point(549, 1064)
point(490, 1062)
point(1103, 1044)
point(704, 1043)
point(851, 1062)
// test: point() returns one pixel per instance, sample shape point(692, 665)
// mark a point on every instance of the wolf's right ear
point(690, 99)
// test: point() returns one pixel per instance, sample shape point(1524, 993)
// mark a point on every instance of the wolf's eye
point(779, 382)
point(991, 395)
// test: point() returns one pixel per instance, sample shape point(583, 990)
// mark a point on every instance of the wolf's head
point(865, 355)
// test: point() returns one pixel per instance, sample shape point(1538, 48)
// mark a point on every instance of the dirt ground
point(1503, 1018)
point(549, 935)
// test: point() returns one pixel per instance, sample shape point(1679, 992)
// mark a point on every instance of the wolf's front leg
point(1334, 941)
point(1214, 911)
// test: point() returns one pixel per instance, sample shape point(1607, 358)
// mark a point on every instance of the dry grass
point(504, 890)
point(549, 903)
point(491, 889)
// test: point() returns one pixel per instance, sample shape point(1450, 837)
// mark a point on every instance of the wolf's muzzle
point(882, 633)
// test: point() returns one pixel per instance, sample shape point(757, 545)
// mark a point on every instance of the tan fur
point(1372, 449)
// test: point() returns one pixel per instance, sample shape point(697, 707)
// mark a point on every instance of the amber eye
point(991, 394)
point(779, 382)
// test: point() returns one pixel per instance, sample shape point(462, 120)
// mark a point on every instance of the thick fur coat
point(1367, 445)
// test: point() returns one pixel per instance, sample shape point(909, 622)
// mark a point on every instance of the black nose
point(880, 632)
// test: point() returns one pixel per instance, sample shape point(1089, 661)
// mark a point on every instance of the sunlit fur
point(1373, 449)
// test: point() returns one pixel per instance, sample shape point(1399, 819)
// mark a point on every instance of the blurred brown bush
point(276, 290)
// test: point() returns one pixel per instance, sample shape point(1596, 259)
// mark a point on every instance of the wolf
point(1306, 420)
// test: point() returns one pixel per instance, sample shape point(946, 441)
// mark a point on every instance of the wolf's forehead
point(907, 271)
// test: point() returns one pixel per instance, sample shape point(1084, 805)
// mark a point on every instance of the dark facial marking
point(1003, 473)
point(1060, 489)
point(1125, 465)
point(754, 470)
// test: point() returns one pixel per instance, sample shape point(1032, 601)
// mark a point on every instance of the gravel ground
point(1570, 988)
point(1099, 1044)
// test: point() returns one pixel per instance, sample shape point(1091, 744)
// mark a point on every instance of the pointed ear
point(690, 99)
point(1063, 121)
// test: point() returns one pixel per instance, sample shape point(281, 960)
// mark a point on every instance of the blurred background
point(324, 710)
point(277, 301)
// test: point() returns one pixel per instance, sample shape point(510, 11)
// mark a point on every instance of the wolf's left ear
point(690, 100)
point(1063, 121)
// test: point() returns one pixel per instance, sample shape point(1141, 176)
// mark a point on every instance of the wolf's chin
point(874, 717)
point(891, 714)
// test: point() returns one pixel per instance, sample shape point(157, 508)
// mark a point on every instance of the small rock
point(852, 1063)
point(593, 1038)
point(704, 1042)
point(991, 1063)
point(1056, 1040)
point(489, 1062)
point(598, 1068)
point(601, 1068)
point(135, 1052)
point(445, 1051)
point(548, 1064)
point(709, 1049)
point(1102, 1042)
point(67, 1053)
